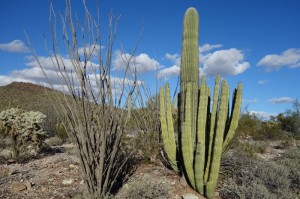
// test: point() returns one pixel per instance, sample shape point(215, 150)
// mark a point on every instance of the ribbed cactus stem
point(218, 141)
point(189, 72)
point(167, 128)
point(201, 132)
point(235, 115)
point(187, 139)
point(212, 125)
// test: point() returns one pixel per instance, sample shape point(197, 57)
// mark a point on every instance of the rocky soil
point(57, 175)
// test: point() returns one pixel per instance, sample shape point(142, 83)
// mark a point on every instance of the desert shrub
point(275, 177)
point(60, 131)
point(250, 125)
point(143, 127)
point(244, 177)
point(291, 160)
point(251, 148)
point(146, 188)
point(270, 130)
point(96, 101)
point(231, 190)
point(290, 120)
point(26, 131)
point(54, 141)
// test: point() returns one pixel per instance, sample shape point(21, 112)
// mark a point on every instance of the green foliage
point(204, 134)
point(251, 148)
point(250, 125)
point(60, 131)
point(244, 177)
point(26, 130)
point(290, 120)
point(143, 130)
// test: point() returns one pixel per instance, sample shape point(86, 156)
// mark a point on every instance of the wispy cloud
point(16, 46)
point(208, 47)
point(281, 100)
point(262, 81)
point(92, 49)
point(290, 58)
point(263, 114)
point(250, 100)
point(212, 61)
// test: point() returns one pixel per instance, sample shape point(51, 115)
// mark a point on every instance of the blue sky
point(256, 42)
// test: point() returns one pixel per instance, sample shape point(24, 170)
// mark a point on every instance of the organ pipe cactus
point(204, 131)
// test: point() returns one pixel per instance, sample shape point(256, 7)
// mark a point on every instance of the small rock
point(44, 189)
point(11, 161)
point(28, 185)
point(12, 170)
point(190, 196)
point(81, 182)
point(18, 186)
point(68, 181)
point(72, 166)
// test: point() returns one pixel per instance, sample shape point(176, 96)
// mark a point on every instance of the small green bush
point(146, 188)
point(251, 148)
point(26, 131)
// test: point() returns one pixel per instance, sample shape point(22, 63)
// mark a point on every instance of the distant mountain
point(30, 97)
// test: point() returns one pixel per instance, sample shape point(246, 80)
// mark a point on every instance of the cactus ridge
point(204, 131)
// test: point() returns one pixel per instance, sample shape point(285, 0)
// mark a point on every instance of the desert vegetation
point(134, 144)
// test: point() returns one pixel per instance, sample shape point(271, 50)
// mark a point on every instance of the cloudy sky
point(256, 42)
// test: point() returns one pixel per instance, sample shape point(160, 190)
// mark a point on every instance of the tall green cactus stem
point(201, 136)
point(235, 115)
point(212, 125)
point(205, 132)
point(187, 137)
point(167, 126)
point(189, 71)
point(218, 141)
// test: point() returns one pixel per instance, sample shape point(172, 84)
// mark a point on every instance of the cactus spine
point(205, 132)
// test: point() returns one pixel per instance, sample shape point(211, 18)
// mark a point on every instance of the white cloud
point(263, 114)
point(225, 62)
point(169, 72)
point(34, 74)
point(208, 47)
point(16, 46)
point(290, 58)
point(262, 81)
point(94, 49)
point(141, 62)
point(173, 70)
point(250, 101)
point(173, 58)
point(281, 100)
